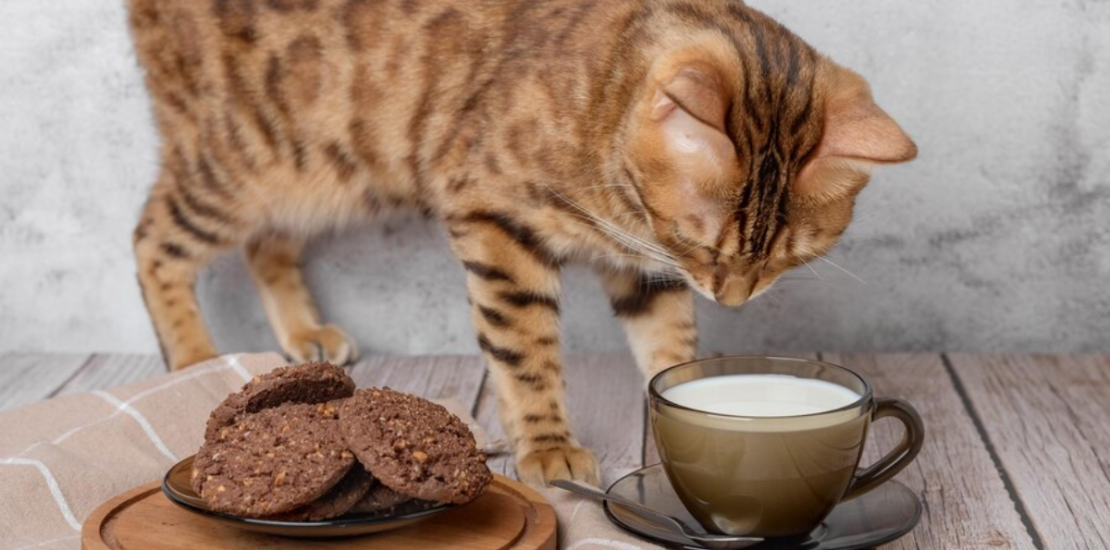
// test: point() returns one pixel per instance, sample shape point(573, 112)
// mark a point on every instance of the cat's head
point(748, 165)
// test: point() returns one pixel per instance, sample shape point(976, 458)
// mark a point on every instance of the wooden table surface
point(1017, 456)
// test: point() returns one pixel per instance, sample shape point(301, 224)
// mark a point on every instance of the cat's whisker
point(613, 228)
point(850, 274)
point(815, 273)
point(619, 255)
point(634, 256)
point(632, 244)
point(689, 248)
point(621, 235)
point(633, 247)
point(637, 217)
point(825, 283)
point(661, 277)
point(602, 186)
point(770, 294)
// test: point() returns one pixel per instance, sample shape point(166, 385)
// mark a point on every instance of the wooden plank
point(966, 502)
point(651, 452)
point(433, 377)
point(487, 415)
point(29, 377)
point(111, 370)
point(1047, 418)
point(605, 403)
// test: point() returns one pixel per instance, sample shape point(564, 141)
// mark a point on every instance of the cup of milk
point(768, 446)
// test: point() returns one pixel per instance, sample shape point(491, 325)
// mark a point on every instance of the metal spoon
point(713, 542)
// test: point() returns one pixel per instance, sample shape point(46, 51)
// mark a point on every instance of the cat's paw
point(326, 343)
point(538, 468)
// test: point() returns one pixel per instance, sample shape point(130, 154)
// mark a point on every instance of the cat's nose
point(731, 289)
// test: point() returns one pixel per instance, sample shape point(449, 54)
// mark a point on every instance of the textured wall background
point(997, 238)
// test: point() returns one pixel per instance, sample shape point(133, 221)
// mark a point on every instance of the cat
point(677, 145)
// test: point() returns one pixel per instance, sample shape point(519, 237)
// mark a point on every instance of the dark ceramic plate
point(177, 488)
point(881, 516)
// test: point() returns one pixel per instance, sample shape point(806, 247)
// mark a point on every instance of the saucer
point(878, 517)
point(177, 488)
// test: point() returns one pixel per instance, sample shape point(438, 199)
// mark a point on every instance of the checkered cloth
point(61, 458)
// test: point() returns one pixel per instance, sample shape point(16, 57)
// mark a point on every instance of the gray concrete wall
point(998, 238)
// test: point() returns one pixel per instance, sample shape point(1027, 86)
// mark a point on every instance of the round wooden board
point(509, 516)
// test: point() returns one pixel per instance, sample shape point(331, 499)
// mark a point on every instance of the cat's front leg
point(273, 261)
point(658, 317)
point(514, 288)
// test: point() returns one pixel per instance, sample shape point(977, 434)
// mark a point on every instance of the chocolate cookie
point(378, 499)
point(272, 461)
point(350, 491)
point(307, 383)
point(414, 446)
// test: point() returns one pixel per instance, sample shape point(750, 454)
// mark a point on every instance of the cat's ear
point(858, 134)
point(690, 112)
point(677, 141)
point(856, 128)
point(697, 90)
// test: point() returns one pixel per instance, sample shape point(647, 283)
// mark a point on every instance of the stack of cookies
point(302, 444)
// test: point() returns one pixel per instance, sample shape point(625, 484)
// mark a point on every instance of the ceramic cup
point(773, 476)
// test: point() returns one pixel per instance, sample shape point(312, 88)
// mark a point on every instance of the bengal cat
point(674, 144)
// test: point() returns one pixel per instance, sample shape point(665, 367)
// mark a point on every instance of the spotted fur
point(676, 144)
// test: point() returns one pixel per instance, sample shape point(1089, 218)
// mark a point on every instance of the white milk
point(761, 395)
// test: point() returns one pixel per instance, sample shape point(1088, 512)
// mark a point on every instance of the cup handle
point(898, 458)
